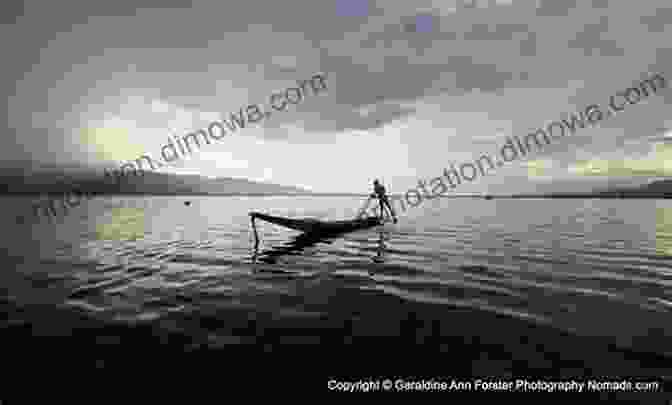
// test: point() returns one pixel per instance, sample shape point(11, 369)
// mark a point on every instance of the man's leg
point(389, 207)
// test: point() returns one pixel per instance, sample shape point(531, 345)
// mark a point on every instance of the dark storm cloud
point(44, 148)
point(658, 21)
point(415, 66)
point(415, 62)
point(356, 86)
point(383, 59)
point(12, 12)
point(600, 3)
point(344, 120)
point(169, 51)
point(505, 32)
point(555, 8)
point(528, 45)
point(662, 63)
point(593, 40)
point(470, 75)
point(494, 32)
point(405, 80)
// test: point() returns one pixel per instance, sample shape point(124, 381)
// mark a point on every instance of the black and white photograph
point(290, 197)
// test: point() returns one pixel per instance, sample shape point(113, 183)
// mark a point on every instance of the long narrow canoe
point(315, 225)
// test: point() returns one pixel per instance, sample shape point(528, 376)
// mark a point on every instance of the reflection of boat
point(313, 231)
point(298, 243)
point(306, 240)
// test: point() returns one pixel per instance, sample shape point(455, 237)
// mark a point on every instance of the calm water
point(532, 282)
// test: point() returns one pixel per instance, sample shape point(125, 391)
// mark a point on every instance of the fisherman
point(379, 193)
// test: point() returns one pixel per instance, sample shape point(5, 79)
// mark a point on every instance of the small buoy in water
point(187, 203)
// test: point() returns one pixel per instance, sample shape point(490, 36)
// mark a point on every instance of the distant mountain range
point(149, 183)
point(655, 189)
point(54, 181)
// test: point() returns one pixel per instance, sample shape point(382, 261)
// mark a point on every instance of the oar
point(254, 228)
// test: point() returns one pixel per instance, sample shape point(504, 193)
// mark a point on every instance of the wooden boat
point(310, 225)
point(315, 227)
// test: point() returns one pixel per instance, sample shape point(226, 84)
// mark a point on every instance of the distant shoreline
point(191, 194)
point(590, 196)
point(472, 196)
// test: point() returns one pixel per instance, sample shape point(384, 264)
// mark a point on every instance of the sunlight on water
point(664, 231)
point(563, 263)
point(126, 224)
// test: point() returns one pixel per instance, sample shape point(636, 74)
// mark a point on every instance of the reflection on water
point(380, 248)
point(500, 270)
point(664, 231)
point(294, 246)
point(299, 243)
point(125, 224)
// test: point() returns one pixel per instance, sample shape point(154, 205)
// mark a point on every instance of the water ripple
point(597, 268)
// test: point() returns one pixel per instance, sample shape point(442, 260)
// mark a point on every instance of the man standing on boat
point(379, 192)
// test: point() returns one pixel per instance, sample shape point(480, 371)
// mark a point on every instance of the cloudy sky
point(412, 86)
